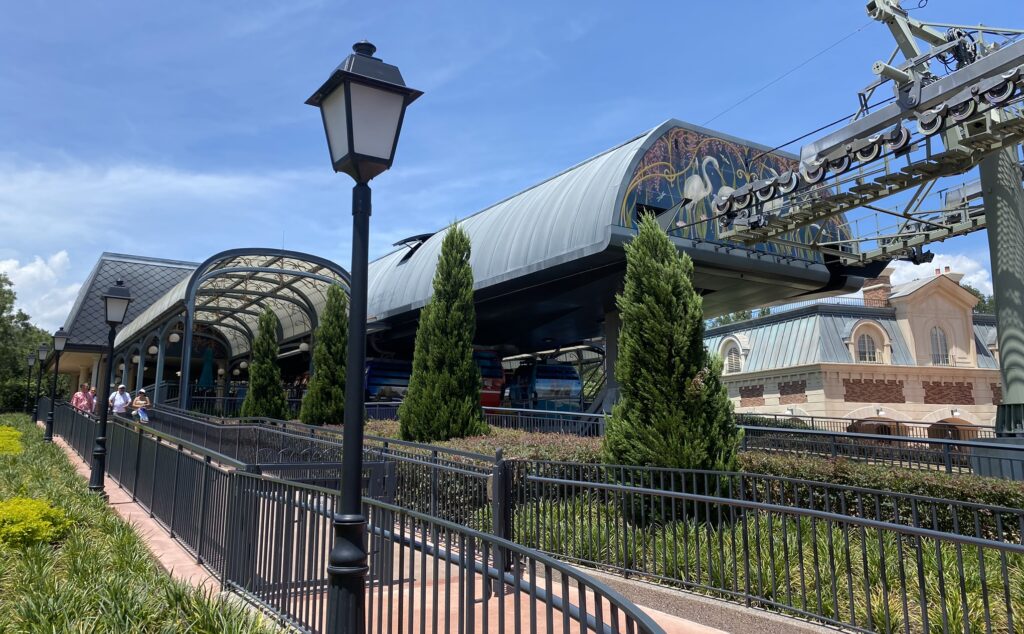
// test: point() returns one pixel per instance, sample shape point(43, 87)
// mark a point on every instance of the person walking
point(120, 400)
point(141, 405)
point(92, 400)
point(81, 400)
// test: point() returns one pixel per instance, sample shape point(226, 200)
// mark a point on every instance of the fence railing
point(982, 458)
point(851, 571)
point(576, 423)
point(911, 429)
point(267, 539)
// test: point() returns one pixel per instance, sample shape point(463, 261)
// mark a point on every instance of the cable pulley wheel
point(813, 175)
point(929, 123)
point(900, 141)
point(788, 182)
point(963, 111)
point(869, 153)
point(1001, 93)
point(742, 201)
point(840, 165)
point(765, 193)
point(721, 205)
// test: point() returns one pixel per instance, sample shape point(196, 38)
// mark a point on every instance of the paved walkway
point(168, 553)
point(181, 565)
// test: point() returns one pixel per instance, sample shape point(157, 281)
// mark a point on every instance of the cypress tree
point(265, 396)
point(443, 400)
point(673, 410)
point(324, 401)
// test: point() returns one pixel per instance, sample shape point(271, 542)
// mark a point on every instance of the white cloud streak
point(976, 272)
point(40, 291)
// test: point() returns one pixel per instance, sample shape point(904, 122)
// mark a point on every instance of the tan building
point(914, 351)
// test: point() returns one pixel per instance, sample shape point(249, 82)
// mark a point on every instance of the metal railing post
point(174, 489)
point(138, 460)
point(202, 508)
point(948, 457)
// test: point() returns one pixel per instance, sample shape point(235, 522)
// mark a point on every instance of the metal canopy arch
point(227, 293)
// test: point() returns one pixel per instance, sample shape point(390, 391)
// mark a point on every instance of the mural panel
point(686, 165)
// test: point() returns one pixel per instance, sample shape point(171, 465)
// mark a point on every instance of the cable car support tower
point(956, 104)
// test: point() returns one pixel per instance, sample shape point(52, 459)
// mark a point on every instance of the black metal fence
point(576, 423)
point(849, 567)
point(912, 429)
point(267, 538)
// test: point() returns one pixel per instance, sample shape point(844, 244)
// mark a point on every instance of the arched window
point(940, 349)
point(867, 352)
point(733, 363)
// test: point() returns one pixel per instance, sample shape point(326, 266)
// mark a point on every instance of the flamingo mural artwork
point(684, 170)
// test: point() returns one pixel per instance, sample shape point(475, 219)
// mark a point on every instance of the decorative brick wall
point(792, 392)
point(948, 392)
point(752, 396)
point(873, 391)
point(876, 291)
point(997, 393)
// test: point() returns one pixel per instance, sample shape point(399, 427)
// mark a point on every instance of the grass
point(99, 577)
point(838, 571)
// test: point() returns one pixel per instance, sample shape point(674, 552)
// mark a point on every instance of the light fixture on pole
point(28, 380)
point(60, 339)
point(174, 338)
point(152, 350)
point(303, 347)
point(243, 364)
point(41, 356)
point(115, 307)
point(362, 105)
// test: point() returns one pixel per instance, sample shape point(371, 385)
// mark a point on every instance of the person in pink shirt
point(82, 400)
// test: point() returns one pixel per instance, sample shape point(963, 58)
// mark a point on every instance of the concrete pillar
point(94, 378)
point(612, 325)
point(1004, 215)
point(124, 370)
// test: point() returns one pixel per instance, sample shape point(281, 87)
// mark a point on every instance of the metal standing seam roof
point(148, 278)
point(231, 288)
point(566, 217)
point(817, 335)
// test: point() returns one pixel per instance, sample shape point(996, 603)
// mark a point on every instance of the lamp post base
point(346, 570)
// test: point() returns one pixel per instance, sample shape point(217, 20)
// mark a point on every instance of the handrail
point(623, 604)
point(887, 438)
point(913, 531)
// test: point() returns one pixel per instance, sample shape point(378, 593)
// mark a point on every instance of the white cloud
point(976, 272)
point(39, 290)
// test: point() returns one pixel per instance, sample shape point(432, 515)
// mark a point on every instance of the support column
point(158, 391)
point(612, 325)
point(1004, 215)
point(139, 373)
point(126, 361)
point(94, 377)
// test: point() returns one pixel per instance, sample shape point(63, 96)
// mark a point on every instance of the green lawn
point(97, 575)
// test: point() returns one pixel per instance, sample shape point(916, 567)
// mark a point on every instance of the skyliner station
point(762, 227)
point(547, 263)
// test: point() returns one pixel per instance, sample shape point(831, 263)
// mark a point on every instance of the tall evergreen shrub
point(443, 400)
point(265, 396)
point(324, 401)
point(673, 410)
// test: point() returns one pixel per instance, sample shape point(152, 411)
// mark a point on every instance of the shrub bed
point(10, 441)
point(99, 577)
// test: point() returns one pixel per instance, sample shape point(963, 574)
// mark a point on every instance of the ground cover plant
point(89, 572)
point(10, 441)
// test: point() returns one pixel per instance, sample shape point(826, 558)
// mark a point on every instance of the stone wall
point(873, 391)
point(791, 392)
point(752, 396)
point(948, 392)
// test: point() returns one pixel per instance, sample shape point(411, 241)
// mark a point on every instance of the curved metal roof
point(229, 290)
point(565, 217)
point(574, 214)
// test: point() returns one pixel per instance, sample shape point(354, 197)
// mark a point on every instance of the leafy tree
point(265, 396)
point(18, 338)
point(443, 400)
point(731, 318)
point(673, 410)
point(986, 303)
point(324, 402)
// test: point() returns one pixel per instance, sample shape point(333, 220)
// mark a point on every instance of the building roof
point(147, 278)
point(228, 291)
point(565, 217)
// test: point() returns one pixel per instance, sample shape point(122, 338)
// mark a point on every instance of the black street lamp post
point(362, 105)
point(28, 380)
point(41, 356)
point(60, 339)
point(115, 306)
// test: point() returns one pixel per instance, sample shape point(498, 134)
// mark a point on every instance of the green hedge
point(98, 576)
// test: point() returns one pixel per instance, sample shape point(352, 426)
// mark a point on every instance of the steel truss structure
point(952, 105)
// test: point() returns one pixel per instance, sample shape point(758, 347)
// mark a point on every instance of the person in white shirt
point(120, 400)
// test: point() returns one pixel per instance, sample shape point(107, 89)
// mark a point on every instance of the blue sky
point(179, 129)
